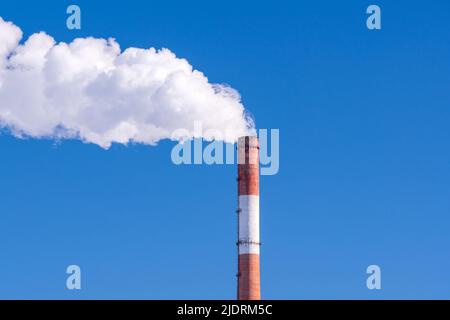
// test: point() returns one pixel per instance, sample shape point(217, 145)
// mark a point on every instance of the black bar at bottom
point(226, 309)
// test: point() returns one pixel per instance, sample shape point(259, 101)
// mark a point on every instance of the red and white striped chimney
point(248, 219)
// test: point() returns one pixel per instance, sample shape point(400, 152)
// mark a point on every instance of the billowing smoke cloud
point(90, 90)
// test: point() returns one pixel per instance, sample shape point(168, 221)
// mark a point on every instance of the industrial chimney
point(248, 219)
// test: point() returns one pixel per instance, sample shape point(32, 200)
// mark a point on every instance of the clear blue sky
point(364, 176)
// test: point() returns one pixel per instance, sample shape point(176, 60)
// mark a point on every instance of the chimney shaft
point(248, 219)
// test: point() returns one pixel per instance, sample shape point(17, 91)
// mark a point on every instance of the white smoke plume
point(90, 90)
